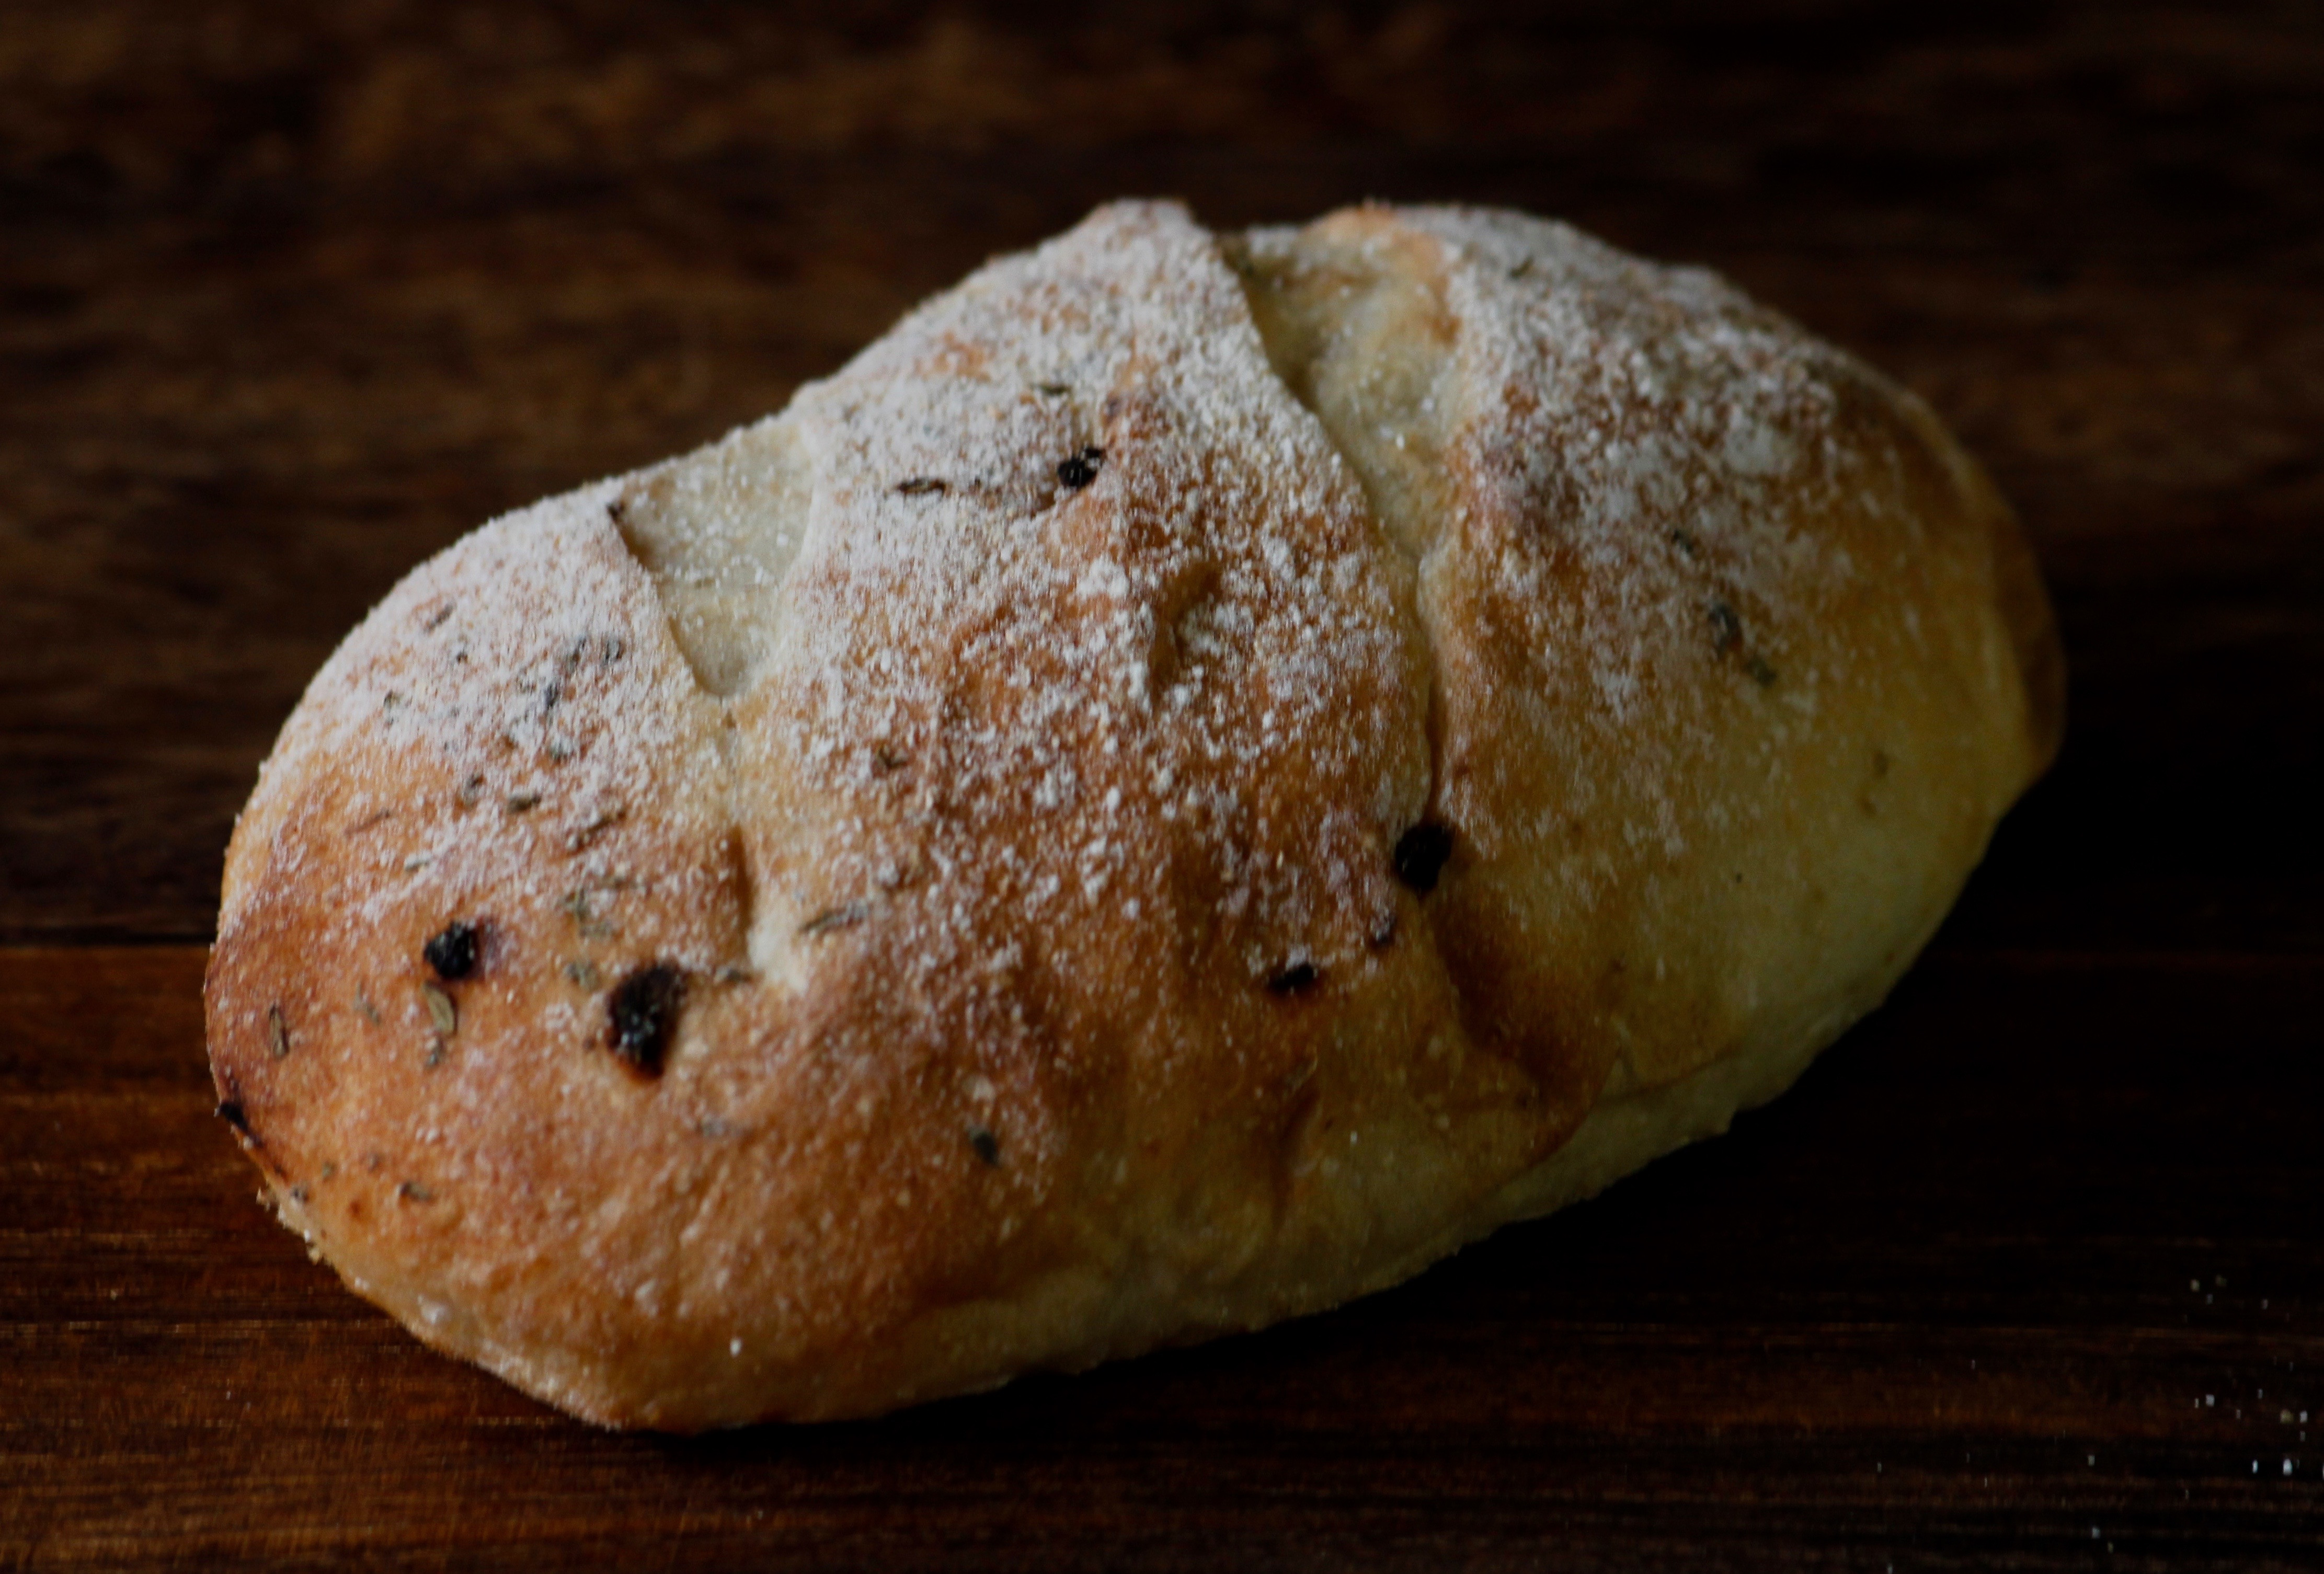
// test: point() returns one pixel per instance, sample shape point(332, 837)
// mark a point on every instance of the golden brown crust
point(1161, 798)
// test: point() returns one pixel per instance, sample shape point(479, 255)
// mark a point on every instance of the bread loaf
point(1194, 777)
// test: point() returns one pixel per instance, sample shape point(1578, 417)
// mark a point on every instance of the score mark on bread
point(1194, 777)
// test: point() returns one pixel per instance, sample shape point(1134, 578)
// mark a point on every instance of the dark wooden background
point(2027, 1273)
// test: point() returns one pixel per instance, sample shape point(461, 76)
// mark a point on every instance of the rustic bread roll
point(1194, 777)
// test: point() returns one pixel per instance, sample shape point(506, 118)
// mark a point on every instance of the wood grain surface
point(2027, 1273)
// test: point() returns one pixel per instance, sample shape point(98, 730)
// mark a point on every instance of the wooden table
point(2028, 1273)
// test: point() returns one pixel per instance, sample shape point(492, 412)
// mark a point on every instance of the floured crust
point(1190, 780)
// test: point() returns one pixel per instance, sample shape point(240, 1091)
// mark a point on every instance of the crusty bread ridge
point(1193, 778)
